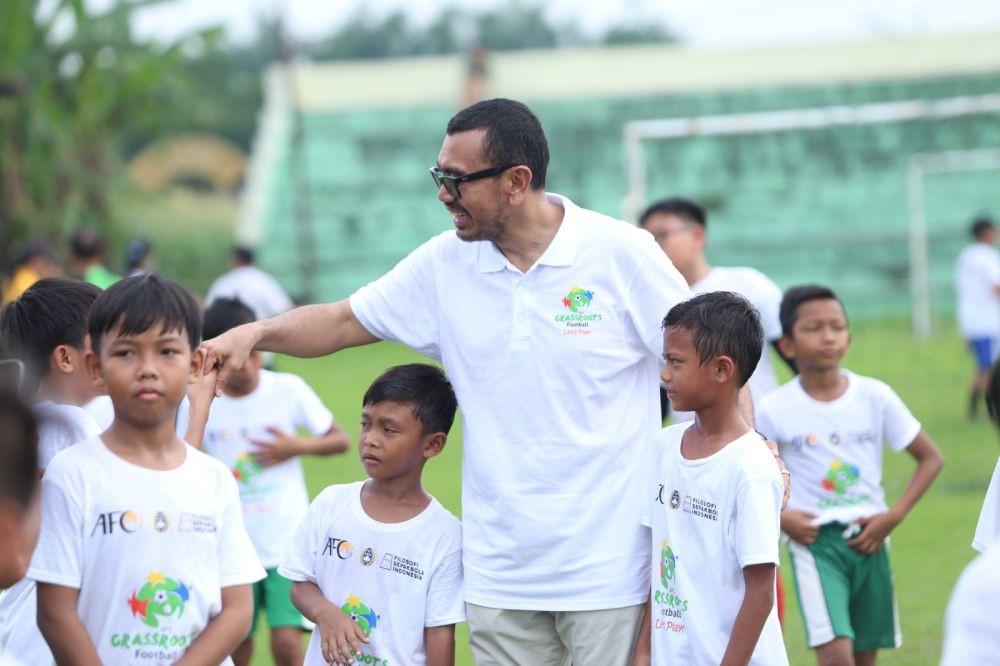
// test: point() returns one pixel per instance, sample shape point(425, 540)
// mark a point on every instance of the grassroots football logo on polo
point(578, 299)
point(358, 611)
point(841, 477)
point(158, 599)
point(246, 468)
point(668, 564)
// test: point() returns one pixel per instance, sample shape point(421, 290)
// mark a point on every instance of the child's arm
point(644, 641)
point(62, 627)
point(757, 603)
point(200, 394)
point(877, 527)
point(225, 631)
point(339, 634)
point(285, 445)
point(439, 643)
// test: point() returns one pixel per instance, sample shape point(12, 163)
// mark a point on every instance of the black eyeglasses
point(451, 183)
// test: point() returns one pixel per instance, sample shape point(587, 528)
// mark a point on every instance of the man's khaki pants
point(557, 638)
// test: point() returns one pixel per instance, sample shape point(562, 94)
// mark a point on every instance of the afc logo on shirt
point(123, 521)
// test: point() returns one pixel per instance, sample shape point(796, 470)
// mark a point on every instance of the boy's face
point(819, 336)
point(691, 384)
point(392, 443)
point(146, 374)
point(243, 381)
point(681, 240)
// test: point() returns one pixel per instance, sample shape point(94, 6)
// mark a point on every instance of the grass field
point(929, 549)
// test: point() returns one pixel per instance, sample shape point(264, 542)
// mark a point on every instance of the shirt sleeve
point(238, 561)
point(445, 597)
point(988, 527)
point(58, 557)
point(765, 426)
point(758, 520)
point(971, 635)
point(312, 413)
point(901, 427)
point(299, 562)
point(402, 305)
point(656, 287)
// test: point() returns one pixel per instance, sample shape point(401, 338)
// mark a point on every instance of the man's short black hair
point(224, 314)
point(30, 249)
point(51, 312)
point(243, 255)
point(18, 450)
point(687, 210)
point(136, 304)
point(795, 297)
point(424, 387)
point(85, 243)
point(721, 323)
point(513, 135)
point(981, 225)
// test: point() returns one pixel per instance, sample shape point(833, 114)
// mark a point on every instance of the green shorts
point(844, 594)
point(273, 595)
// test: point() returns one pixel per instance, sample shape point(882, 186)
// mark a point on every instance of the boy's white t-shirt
point(710, 518)
point(274, 498)
point(971, 636)
point(149, 551)
point(59, 427)
point(834, 449)
point(393, 579)
point(988, 527)
point(977, 273)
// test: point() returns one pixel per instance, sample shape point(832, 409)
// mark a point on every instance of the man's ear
point(786, 346)
point(197, 360)
point(517, 183)
point(434, 444)
point(93, 362)
point(723, 368)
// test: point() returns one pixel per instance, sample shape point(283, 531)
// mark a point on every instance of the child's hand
point(339, 635)
point(201, 391)
point(874, 532)
point(273, 451)
point(799, 526)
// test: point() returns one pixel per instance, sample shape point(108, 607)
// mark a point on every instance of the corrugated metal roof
point(637, 70)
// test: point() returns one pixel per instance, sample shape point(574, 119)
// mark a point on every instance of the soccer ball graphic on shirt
point(365, 617)
point(578, 298)
point(668, 564)
point(159, 598)
point(841, 477)
point(246, 468)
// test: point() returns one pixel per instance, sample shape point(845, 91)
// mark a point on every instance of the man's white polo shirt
point(556, 375)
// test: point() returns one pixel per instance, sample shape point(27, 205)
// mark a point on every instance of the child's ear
point(434, 444)
point(93, 362)
point(723, 367)
point(786, 346)
point(197, 360)
point(61, 359)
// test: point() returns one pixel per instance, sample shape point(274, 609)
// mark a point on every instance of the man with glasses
point(547, 318)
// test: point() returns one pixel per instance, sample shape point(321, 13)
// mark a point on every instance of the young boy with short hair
point(252, 429)
point(143, 557)
point(830, 425)
point(45, 329)
point(377, 564)
point(716, 497)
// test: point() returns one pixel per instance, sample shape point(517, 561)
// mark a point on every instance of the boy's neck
point(61, 393)
point(155, 447)
point(394, 500)
point(824, 385)
point(714, 427)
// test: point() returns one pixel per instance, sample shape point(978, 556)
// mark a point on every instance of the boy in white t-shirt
point(716, 497)
point(830, 425)
point(252, 429)
point(377, 564)
point(143, 557)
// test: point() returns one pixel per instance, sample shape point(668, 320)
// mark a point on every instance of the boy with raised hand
point(143, 557)
point(377, 564)
point(45, 329)
point(252, 429)
point(716, 498)
point(830, 425)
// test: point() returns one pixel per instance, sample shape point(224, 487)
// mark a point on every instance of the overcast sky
point(707, 23)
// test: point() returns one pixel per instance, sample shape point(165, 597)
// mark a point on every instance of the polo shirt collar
point(560, 252)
